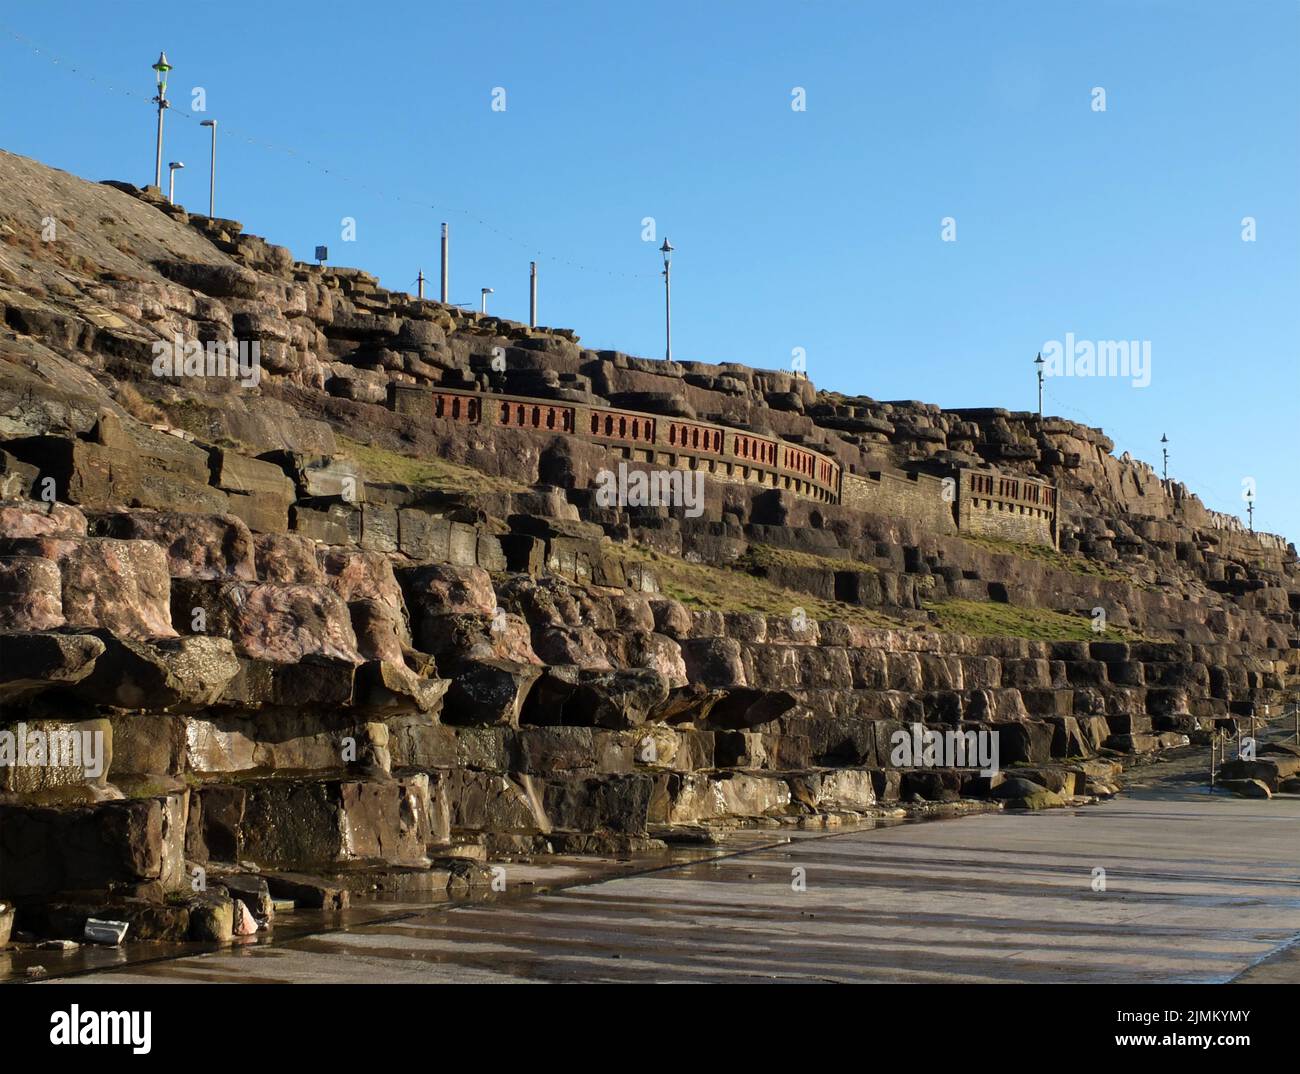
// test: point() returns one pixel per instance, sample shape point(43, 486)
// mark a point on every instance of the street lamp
point(1039, 363)
point(667, 250)
point(172, 168)
point(446, 239)
point(1250, 508)
point(160, 68)
point(212, 173)
point(1165, 451)
point(483, 293)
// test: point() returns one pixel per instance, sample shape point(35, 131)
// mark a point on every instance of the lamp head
point(161, 68)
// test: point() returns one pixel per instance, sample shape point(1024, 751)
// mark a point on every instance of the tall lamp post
point(172, 168)
point(160, 68)
point(1039, 363)
point(482, 294)
point(212, 170)
point(1250, 508)
point(1165, 452)
point(445, 240)
point(667, 250)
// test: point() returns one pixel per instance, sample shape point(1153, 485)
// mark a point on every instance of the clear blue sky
point(818, 229)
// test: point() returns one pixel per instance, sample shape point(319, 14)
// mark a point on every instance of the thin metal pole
point(212, 175)
point(444, 264)
point(171, 186)
point(532, 294)
point(419, 283)
point(157, 165)
point(668, 310)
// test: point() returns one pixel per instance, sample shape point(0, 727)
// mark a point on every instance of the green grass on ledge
point(733, 589)
point(381, 465)
point(989, 619)
point(1048, 555)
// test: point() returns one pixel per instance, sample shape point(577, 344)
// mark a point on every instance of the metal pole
point(171, 186)
point(532, 294)
point(212, 174)
point(157, 165)
point(1040, 394)
point(419, 283)
point(444, 264)
point(668, 310)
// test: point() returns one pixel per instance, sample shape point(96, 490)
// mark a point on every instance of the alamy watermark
point(180, 357)
point(22, 747)
point(922, 747)
point(1098, 358)
point(115, 1028)
point(651, 488)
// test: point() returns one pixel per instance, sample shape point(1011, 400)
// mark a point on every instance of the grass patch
point(389, 467)
point(766, 555)
point(989, 619)
point(1046, 554)
point(733, 589)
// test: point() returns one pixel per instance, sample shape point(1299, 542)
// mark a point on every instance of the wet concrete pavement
point(1197, 889)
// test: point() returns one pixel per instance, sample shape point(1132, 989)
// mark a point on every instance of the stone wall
point(723, 453)
point(917, 497)
point(461, 657)
point(991, 504)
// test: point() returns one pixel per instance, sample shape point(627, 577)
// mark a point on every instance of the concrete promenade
point(1197, 889)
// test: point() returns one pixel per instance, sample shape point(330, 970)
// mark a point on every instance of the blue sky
point(818, 229)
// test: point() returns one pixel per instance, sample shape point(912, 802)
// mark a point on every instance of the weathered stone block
point(31, 663)
point(44, 851)
point(484, 801)
point(330, 526)
point(293, 824)
point(238, 473)
point(489, 692)
point(261, 514)
point(122, 586)
point(379, 528)
point(714, 662)
point(31, 594)
point(37, 518)
point(597, 804)
point(423, 536)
